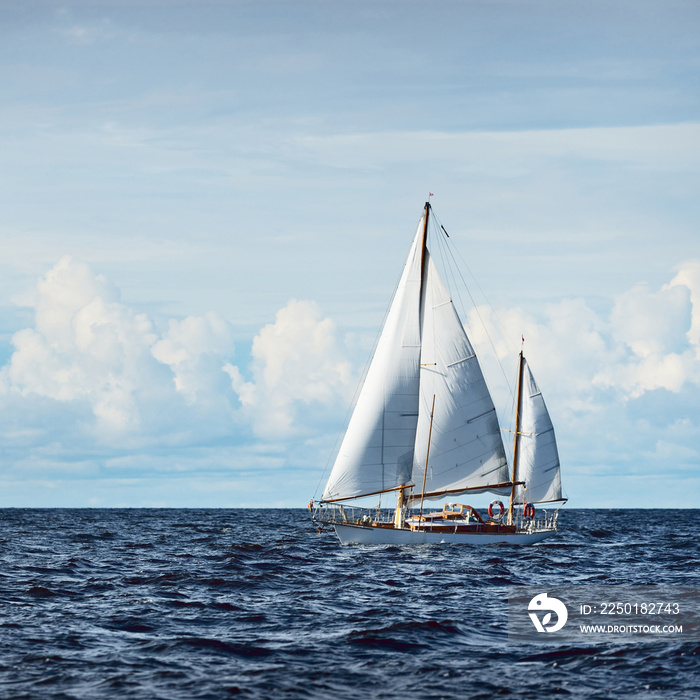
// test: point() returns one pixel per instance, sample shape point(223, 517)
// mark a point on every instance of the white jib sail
point(377, 451)
point(466, 449)
point(538, 458)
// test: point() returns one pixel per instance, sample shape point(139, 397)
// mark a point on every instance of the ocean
point(162, 603)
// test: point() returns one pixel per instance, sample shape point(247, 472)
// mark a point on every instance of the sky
point(205, 208)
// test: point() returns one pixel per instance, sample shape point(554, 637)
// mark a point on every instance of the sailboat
point(425, 428)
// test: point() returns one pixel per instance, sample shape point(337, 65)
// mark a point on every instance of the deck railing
point(336, 513)
point(331, 513)
point(543, 520)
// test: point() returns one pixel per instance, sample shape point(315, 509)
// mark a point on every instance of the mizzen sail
point(538, 457)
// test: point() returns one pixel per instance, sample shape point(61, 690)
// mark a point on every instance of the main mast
point(401, 497)
point(516, 440)
point(423, 257)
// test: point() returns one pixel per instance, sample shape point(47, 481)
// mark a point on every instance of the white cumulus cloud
point(193, 349)
point(86, 348)
point(689, 276)
point(297, 364)
point(656, 337)
point(650, 340)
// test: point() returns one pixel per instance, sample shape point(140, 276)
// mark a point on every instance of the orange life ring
point(500, 507)
point(529, 510)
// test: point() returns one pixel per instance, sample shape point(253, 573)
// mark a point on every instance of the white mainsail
point(377, 451)
point(466, 449)
point(538, 457)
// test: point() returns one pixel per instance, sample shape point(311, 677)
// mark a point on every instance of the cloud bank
point(94, 384)
point(650, 339)
point(119, 380)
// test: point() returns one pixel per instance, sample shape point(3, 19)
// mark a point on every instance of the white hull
point(361, 534)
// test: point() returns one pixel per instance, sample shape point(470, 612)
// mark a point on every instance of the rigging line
point(511, 347)
point(447, 263)
point(505, 334)
point(446, 249)
point(449, 249)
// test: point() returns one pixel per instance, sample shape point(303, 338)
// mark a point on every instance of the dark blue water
point(254, 603)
